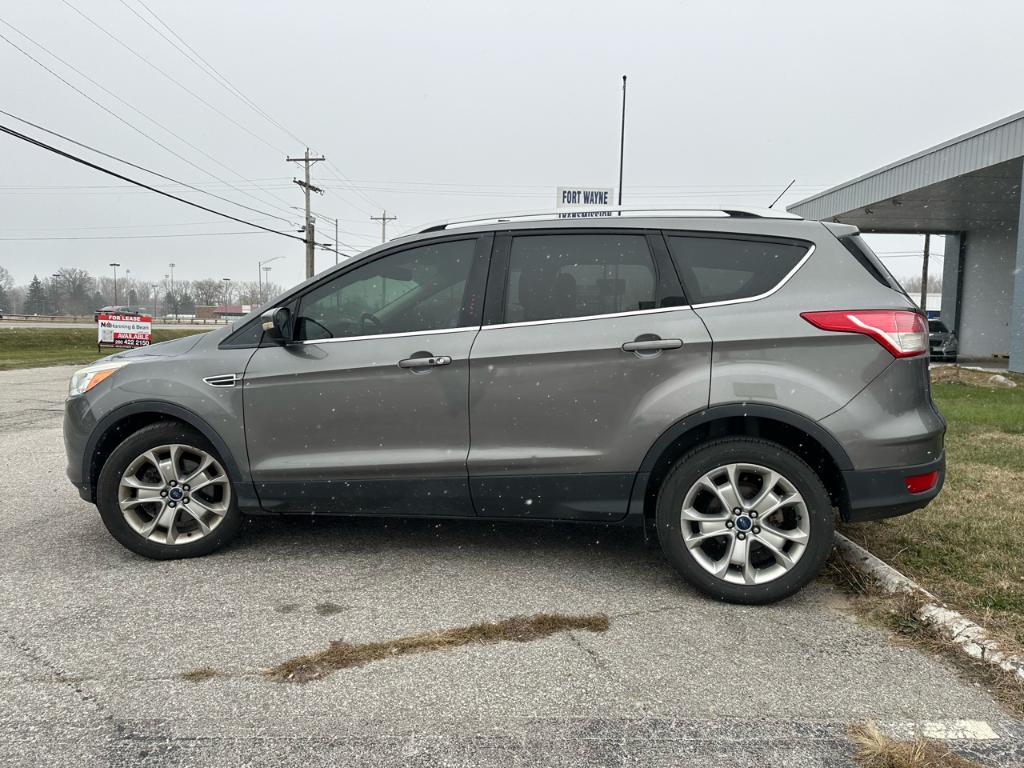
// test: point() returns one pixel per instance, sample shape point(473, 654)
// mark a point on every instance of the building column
point(952, 268)
point(1017, 309)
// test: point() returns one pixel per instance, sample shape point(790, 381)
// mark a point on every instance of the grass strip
point(39, 347)
point(519, 629)
point(965, 547)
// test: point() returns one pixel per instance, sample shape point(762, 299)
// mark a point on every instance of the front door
point(592, 356)
point(366, 411)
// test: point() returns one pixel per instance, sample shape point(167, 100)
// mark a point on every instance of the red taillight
point(902, 332)
point(921, 483)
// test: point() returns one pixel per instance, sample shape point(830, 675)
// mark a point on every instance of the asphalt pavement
point(94, 640)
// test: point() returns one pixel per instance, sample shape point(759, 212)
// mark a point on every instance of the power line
point(115, 174)
point(205, 66)
point(139, 167)
point(112, 226)
point(131, 237)
point(169, 77)
point(117, 116)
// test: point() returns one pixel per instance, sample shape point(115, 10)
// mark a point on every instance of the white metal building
point(969, 189)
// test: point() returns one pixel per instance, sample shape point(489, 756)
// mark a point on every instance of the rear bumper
point(872, 494)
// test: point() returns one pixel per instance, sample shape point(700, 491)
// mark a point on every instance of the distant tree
point(76, 287)
point(913, 284)
point(248, 292)
point(207, 292)
point(17, 299)
point(35, 298)
point(6, 285)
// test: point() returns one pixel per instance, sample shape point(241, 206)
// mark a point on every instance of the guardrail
point(89, 319)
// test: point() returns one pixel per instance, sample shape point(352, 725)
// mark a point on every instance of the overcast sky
point(443, 109)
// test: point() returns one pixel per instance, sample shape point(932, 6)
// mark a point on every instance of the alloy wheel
point(745, 523)
point(174, 494)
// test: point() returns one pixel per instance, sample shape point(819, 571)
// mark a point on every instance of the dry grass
point(200, 674)
point(874, 749)
point(342, 655)
point(898, 613)
point(954, 374)
point(966, 545)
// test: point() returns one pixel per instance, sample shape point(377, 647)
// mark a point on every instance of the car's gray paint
point(344, 410)
point(553, 398)
point(891, 422)
point(765, 352)
point(556, 400)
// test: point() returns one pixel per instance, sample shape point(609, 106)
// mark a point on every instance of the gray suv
point(722, 380)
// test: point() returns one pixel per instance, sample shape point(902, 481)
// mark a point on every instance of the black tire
point(718, 453)
point(107, 488)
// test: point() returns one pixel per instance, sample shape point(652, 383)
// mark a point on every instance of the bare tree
point(6, 286)
point(73, 289)
point(913, 285)
point(248, 291)
point(207, 292)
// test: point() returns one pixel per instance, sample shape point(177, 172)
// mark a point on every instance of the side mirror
point(275, 323)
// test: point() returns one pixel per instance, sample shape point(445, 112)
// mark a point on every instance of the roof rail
point(616, 212)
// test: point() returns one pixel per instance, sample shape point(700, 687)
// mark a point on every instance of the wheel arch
point(809, 440)
point(113, 428)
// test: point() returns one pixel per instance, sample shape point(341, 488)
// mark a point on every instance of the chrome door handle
point(652, 345)
point(425, 362)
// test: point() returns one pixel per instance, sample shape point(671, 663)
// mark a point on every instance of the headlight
point(87, 378)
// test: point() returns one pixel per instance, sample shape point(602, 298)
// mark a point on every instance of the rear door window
point(555, 276)
point(714, 269)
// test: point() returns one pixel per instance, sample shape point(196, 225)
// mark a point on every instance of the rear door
point(367, 411)
point(587, 354)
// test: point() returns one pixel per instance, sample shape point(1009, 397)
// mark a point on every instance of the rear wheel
point(163, 493)
point(745, 520)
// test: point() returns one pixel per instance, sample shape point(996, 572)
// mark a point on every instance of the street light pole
point(173, 297)
point(115, 265)
point(622, 139)
point(259, 272)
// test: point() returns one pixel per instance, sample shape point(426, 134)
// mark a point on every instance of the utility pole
point(383, 219)
point(924, 273)
point(335, 242)
point(307, 187)
point(622, 139)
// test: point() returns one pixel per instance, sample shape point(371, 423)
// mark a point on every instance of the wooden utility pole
point(383, 219)
point(924, 273)
point(308, 187)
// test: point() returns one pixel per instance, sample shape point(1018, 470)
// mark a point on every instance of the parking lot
point(95, 640)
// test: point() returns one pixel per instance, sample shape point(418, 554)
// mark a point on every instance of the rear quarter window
point(714, 269)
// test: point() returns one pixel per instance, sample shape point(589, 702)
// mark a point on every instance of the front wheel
point(163, 493)
point(745, 520)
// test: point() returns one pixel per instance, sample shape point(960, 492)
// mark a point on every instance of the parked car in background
point(942, 342)
point(119, 309)
point(722, 380)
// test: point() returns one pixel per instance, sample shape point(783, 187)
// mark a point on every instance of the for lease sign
point(584, 197)
point(124, 330)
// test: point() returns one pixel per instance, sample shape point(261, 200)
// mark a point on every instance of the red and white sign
point(125, 330)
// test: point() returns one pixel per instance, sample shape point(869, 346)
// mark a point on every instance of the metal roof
point(989, 145)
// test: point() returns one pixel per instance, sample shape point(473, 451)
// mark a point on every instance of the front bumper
point(78, 425)
point(873, 494)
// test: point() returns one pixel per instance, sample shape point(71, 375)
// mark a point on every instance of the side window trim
point(500, 274)
point(473, 272)
point(477, 272)
point(743, 236)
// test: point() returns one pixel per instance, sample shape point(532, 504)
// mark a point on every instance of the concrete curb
point(971, 638)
